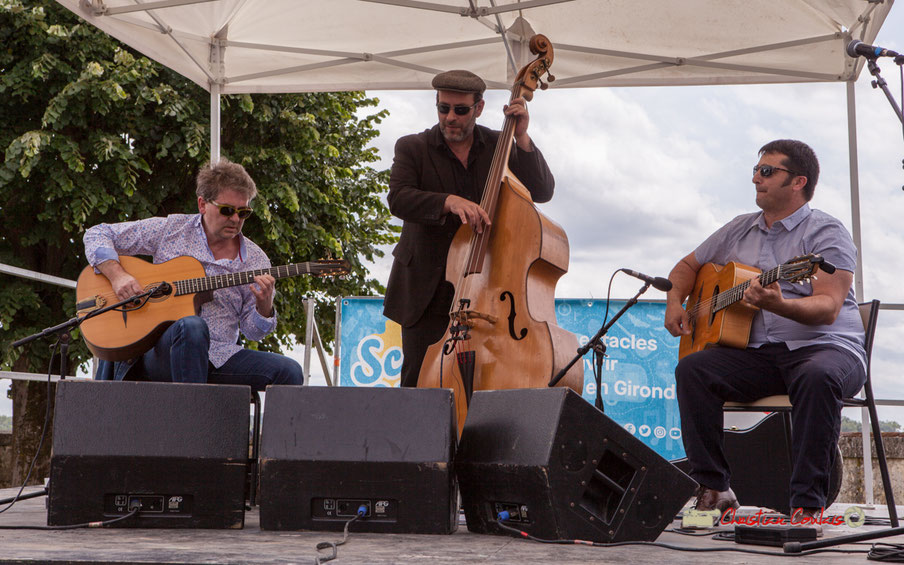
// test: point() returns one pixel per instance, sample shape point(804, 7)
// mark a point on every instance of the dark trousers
point(816, 378)
point(429, 329)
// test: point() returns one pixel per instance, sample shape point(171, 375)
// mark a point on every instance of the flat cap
point(459, 81)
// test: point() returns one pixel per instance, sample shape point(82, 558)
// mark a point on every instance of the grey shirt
point(746, 240)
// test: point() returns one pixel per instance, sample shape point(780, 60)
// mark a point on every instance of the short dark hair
point(800, 158)
point(224, 175)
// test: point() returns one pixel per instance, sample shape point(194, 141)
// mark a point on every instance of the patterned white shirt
point(231, 309)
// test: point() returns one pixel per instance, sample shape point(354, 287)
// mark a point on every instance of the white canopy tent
point(273, 46)
point(332, 45)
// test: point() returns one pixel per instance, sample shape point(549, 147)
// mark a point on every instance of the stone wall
point(852, 490)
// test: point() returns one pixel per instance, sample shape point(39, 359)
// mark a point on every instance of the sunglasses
point(459, 109)
point(228, 211)
point(766, 171)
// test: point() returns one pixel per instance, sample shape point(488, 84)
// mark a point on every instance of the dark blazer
point(424, 172)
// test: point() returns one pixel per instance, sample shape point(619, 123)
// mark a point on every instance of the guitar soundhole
point(163, 291)
point(712, 305)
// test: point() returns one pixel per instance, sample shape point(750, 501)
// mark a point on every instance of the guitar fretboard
point(205, 284)
point(725, 299)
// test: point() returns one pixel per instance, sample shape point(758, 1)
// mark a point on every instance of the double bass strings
point(480, 241)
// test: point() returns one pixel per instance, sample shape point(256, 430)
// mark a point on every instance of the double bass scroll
point(502, 332)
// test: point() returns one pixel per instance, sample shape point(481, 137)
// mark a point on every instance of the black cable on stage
point(525, 535)
point(362, 511)
point(34, 460)
point(74, 526)
point(42, 492)
point(888, 552)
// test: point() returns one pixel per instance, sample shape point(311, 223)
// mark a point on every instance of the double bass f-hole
point(511, 317)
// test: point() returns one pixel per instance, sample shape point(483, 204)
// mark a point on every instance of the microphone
point(658, 283)
point(857, 48)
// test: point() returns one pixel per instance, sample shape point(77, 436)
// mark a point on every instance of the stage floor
point(251, 545)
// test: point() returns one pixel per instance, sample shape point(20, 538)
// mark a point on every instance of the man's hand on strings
point(264, 289)
point(124, 285)
point(676, 320)
point(766, 297)
point(469, 212)
point(518, 110)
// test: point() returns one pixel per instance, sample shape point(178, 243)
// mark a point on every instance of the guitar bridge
point(94, 303)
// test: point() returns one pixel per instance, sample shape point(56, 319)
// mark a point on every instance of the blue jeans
point(180, 355)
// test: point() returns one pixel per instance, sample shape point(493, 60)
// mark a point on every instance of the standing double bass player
point(436, 183)
point(494, 291)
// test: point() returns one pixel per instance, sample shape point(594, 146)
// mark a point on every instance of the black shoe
point(711, 499)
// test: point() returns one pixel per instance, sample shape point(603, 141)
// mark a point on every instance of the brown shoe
point(807, 518)
point(711, 499)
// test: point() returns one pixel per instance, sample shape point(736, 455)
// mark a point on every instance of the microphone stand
point(798, 547)
point(62, 330)
point(880, 83)
point(599, 349)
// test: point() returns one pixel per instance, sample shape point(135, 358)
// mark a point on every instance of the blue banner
point(637, 384)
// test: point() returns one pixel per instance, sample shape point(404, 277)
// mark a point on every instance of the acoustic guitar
point(180, 286)
point(716, 314)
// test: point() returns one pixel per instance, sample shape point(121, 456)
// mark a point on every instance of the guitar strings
point(736, 292)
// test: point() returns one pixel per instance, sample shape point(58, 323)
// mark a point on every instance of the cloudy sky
point(644, 174)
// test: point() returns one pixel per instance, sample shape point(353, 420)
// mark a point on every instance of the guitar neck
point(205, 284)
point(725, 299)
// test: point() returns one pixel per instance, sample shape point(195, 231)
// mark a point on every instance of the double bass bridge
point(465, 317)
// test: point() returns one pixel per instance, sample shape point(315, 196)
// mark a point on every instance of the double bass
point(502, 330)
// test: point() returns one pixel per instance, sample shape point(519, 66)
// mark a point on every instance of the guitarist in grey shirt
point(806, 339)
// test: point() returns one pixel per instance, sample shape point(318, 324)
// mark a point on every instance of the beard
point(465, 131)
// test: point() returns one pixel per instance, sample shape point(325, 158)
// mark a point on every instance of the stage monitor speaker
point(562, 470)
point(177, 452)
point(327, 451)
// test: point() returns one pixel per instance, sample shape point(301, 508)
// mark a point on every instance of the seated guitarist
point(200, 349)
point(806, 340)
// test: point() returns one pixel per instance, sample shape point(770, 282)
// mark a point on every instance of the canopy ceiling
point(334, 45)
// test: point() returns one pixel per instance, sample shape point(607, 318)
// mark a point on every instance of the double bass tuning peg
point(545, 85)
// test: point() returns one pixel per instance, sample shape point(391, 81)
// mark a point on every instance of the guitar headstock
point(330, 267)
point(800, 269)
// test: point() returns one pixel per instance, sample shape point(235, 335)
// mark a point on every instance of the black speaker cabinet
point(327, 451)
point(177, 452)
point(562, 470)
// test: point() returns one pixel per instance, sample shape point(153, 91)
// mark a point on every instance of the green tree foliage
point(94, 132)
point(849, 425)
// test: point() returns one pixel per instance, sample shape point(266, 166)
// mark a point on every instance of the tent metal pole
point(858, 273)
point(855, 188)
point(214, 122)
